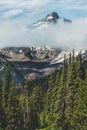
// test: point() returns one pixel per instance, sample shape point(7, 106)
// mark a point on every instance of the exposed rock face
point(52, 17)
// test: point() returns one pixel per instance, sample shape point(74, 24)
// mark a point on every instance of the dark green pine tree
point(37, 97)
point(26, 107)
point(60, 104)
point(49, 92)
point(70, 58)
point(33, 120)
point(79, 119)
point(6, 86)
point(49, 101)
point(55, 115)
point(69, 95)
point(73, 84)
point(73, 56)
point(13, 111)
point(2, 112)
point(35, 107)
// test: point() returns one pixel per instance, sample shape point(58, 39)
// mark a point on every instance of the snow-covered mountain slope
point(60, 57)
point(44, 61)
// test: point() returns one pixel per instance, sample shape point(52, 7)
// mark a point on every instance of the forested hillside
point(56, 102)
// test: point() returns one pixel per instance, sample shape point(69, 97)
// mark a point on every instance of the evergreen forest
point(56, 102)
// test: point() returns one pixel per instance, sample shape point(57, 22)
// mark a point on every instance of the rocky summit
point(50, 19)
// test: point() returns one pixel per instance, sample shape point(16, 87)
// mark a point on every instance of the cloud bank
point(64, 35)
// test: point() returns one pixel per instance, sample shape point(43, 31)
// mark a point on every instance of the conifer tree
point(13, 111)
point(26, 107)
point(6, 86)
point(2, 112)
point(73, 56)
point(48, 97)
point(79, 119)
point(37, 105)
point(70, 58)
point(60, 104)
point(65, 60)
point(73, 84)
point(49, 100)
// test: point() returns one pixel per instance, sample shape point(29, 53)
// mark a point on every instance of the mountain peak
point(50, 19)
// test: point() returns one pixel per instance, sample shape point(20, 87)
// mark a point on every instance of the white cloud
point(70, 35)
point(12, 5)
point(12, 13)
point(39, 5)
point(12, 35)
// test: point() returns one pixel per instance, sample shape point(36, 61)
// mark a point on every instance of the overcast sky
point(16, 15)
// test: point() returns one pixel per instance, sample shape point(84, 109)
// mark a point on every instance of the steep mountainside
point(15, 74)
